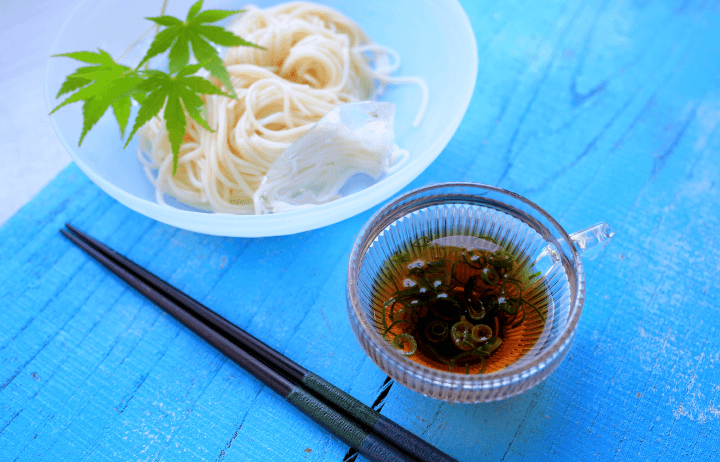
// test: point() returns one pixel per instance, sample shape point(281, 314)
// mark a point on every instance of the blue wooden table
point(596, 110)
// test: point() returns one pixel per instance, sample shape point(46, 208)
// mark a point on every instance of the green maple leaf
point(102, 84)
point(179, 36)
point(178, 94)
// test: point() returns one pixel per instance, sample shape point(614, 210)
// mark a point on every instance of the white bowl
point(434, 39)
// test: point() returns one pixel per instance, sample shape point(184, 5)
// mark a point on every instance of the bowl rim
point(445, 379)
point(292, 222)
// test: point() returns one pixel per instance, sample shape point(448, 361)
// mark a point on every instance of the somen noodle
point(314, 60)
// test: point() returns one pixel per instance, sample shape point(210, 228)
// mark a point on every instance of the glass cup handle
point(591, 241)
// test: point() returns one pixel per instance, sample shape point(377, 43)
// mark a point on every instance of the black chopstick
point(371, 434)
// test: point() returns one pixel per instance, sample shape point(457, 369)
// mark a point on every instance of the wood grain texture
point(596, 110)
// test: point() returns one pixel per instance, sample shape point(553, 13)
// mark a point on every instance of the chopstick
point(356, 424)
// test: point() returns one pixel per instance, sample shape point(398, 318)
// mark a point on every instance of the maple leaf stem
point(162, 13)
point(138, 40)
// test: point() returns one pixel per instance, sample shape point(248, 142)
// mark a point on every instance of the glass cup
point(463, 215)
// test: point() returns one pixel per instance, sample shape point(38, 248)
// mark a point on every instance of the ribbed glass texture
point(454, 211)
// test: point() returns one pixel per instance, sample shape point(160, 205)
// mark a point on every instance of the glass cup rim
point(510, 374)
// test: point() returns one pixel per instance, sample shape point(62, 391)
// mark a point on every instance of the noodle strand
point(315, 59)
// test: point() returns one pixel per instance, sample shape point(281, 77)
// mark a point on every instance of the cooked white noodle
point(314, 60)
